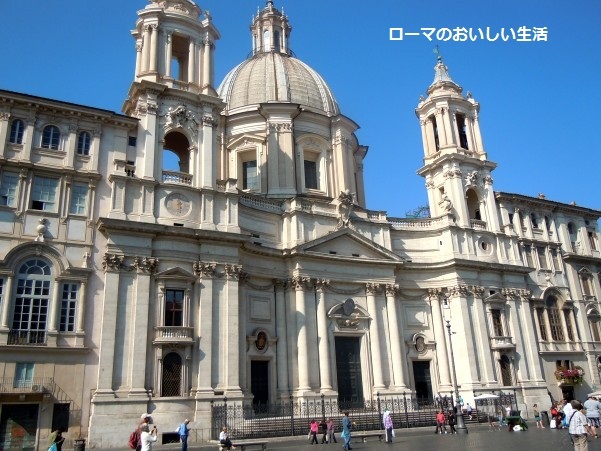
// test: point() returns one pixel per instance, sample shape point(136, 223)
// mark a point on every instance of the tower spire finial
point(437, 51)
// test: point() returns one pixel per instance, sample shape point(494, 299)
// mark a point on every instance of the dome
point(276, 77)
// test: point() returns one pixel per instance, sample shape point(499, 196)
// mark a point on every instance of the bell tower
point(456, 168)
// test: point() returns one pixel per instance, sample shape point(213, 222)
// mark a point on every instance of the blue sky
point(539, 100)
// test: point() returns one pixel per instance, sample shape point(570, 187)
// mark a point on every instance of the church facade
point(255, 270)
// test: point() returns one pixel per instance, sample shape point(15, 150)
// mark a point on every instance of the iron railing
point(245, 420)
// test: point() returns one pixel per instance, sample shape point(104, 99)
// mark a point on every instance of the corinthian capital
point(372, 288)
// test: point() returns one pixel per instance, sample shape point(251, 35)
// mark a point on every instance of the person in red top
point(440, 422)
point(313, 431)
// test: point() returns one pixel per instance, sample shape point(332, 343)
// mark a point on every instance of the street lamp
point(460, 423)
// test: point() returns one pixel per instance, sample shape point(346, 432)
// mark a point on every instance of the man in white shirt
point(578, 427)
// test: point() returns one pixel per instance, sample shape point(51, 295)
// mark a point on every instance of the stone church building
point(255, 270)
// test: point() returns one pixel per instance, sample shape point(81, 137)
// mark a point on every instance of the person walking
point(440, 422)
point(346, 431)
point(331, 431)
point(469, 410)
point(323, 427)
point(578, 427)
point(593, 414)
point(451, 419)
point(388, 426)
point(56, 438)
point(313, 428)
point(183, 432)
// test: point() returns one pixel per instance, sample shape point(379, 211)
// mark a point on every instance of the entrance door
point(348, 371)
point(259, 381)
point(567, 392)
point(423, 383)
point(18, 426)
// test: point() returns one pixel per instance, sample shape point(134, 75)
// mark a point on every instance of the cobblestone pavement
point(424, 439)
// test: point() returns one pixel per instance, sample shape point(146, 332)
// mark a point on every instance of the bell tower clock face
point(177, 204)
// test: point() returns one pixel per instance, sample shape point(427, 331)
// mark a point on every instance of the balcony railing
point(27, 337)
point(180, 178)
point(501, 343)
point(477, 224)
point(174, 334)
point(34, 385)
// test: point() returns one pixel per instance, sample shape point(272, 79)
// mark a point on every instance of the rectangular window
point(16, 132)
point(174, 308)
point(540, 313)
point(570, 332)
point(595, 330)
point(592, 238)
point(249, 175)
point(23, 375)
point(556, 259)
point(131, 141)
point(79, 199)
point(497, 325)
point(43, 194)
point(68, 306)
point(8, 189)
point(311, 175)
point(542, 257)
point(585, 281)
point(555, 324)
point(461, 128)
point(435, 129)
point(528, 254)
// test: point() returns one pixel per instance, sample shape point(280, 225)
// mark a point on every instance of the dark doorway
point(259, 381)
point(423, 382)
point(172, 375)
point(567, 392)
point(18, 426)
point(348, 371)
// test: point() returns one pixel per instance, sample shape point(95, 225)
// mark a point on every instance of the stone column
point(529, 321)
point(374, 335)
point(146, 48)
point(54, 307)
point(232, 325)
point(439, 336)
point(138, 57)
point(302, 335)
point(398, 351)
point(243, 344)
point(4, 127)
point(478, 136)
point(431, 136)
point(483, 342)
point(169, 54)
point(323, 346)
point(153, 47)
point(282, 343)
point(6, 293)
point(145, 267)
point(81, 309)
point(206, 379)
point(442, 127)
point(291, 334)
point(191, 60)
point(422, 124)
point(206, 66)
point(112, 265)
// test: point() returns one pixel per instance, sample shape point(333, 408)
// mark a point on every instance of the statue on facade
point(178, 117)
point(471, 178)
point(344, 208)
point(445, 203)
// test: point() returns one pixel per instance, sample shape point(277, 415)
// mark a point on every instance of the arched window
point(266, 41)
point(276, 40)
point(51, 137)
point(176, 158)
point(462, 129)
point(83, 143)
point(473, 205)
point(16, 131)
point(172, 375)
point(505, 365)
point(32, 295)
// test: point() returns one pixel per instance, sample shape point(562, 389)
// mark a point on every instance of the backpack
point(134, 440)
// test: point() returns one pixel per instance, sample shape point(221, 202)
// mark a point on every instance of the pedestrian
point(440, 422)
point(56, 438)
point(147, 437)
point(224, 439)
point(313, 428)
point(183, 432)
point(578, 427)
point(593, 414)
point(388, 426)
point(323, 427)
point(469, 410)
point(507, 410)
point(539, 423)
point(145, 419)
point(346, 431)
point(331, 431)
point(451, 420)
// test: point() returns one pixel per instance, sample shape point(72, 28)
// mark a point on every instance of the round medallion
point(261, 341)
point(177, 204)
point(420, 344)
point(348, 307)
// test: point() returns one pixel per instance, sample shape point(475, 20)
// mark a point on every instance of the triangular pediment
point(346, 243)
point(175, 273)
point(496, 297)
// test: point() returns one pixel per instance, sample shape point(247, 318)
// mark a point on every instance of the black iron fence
point(495, 403)
point(245, 420)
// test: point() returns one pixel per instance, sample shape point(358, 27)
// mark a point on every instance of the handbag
point(553, 424)
point(53, 447)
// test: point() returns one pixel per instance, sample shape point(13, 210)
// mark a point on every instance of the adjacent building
point(253, 268)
